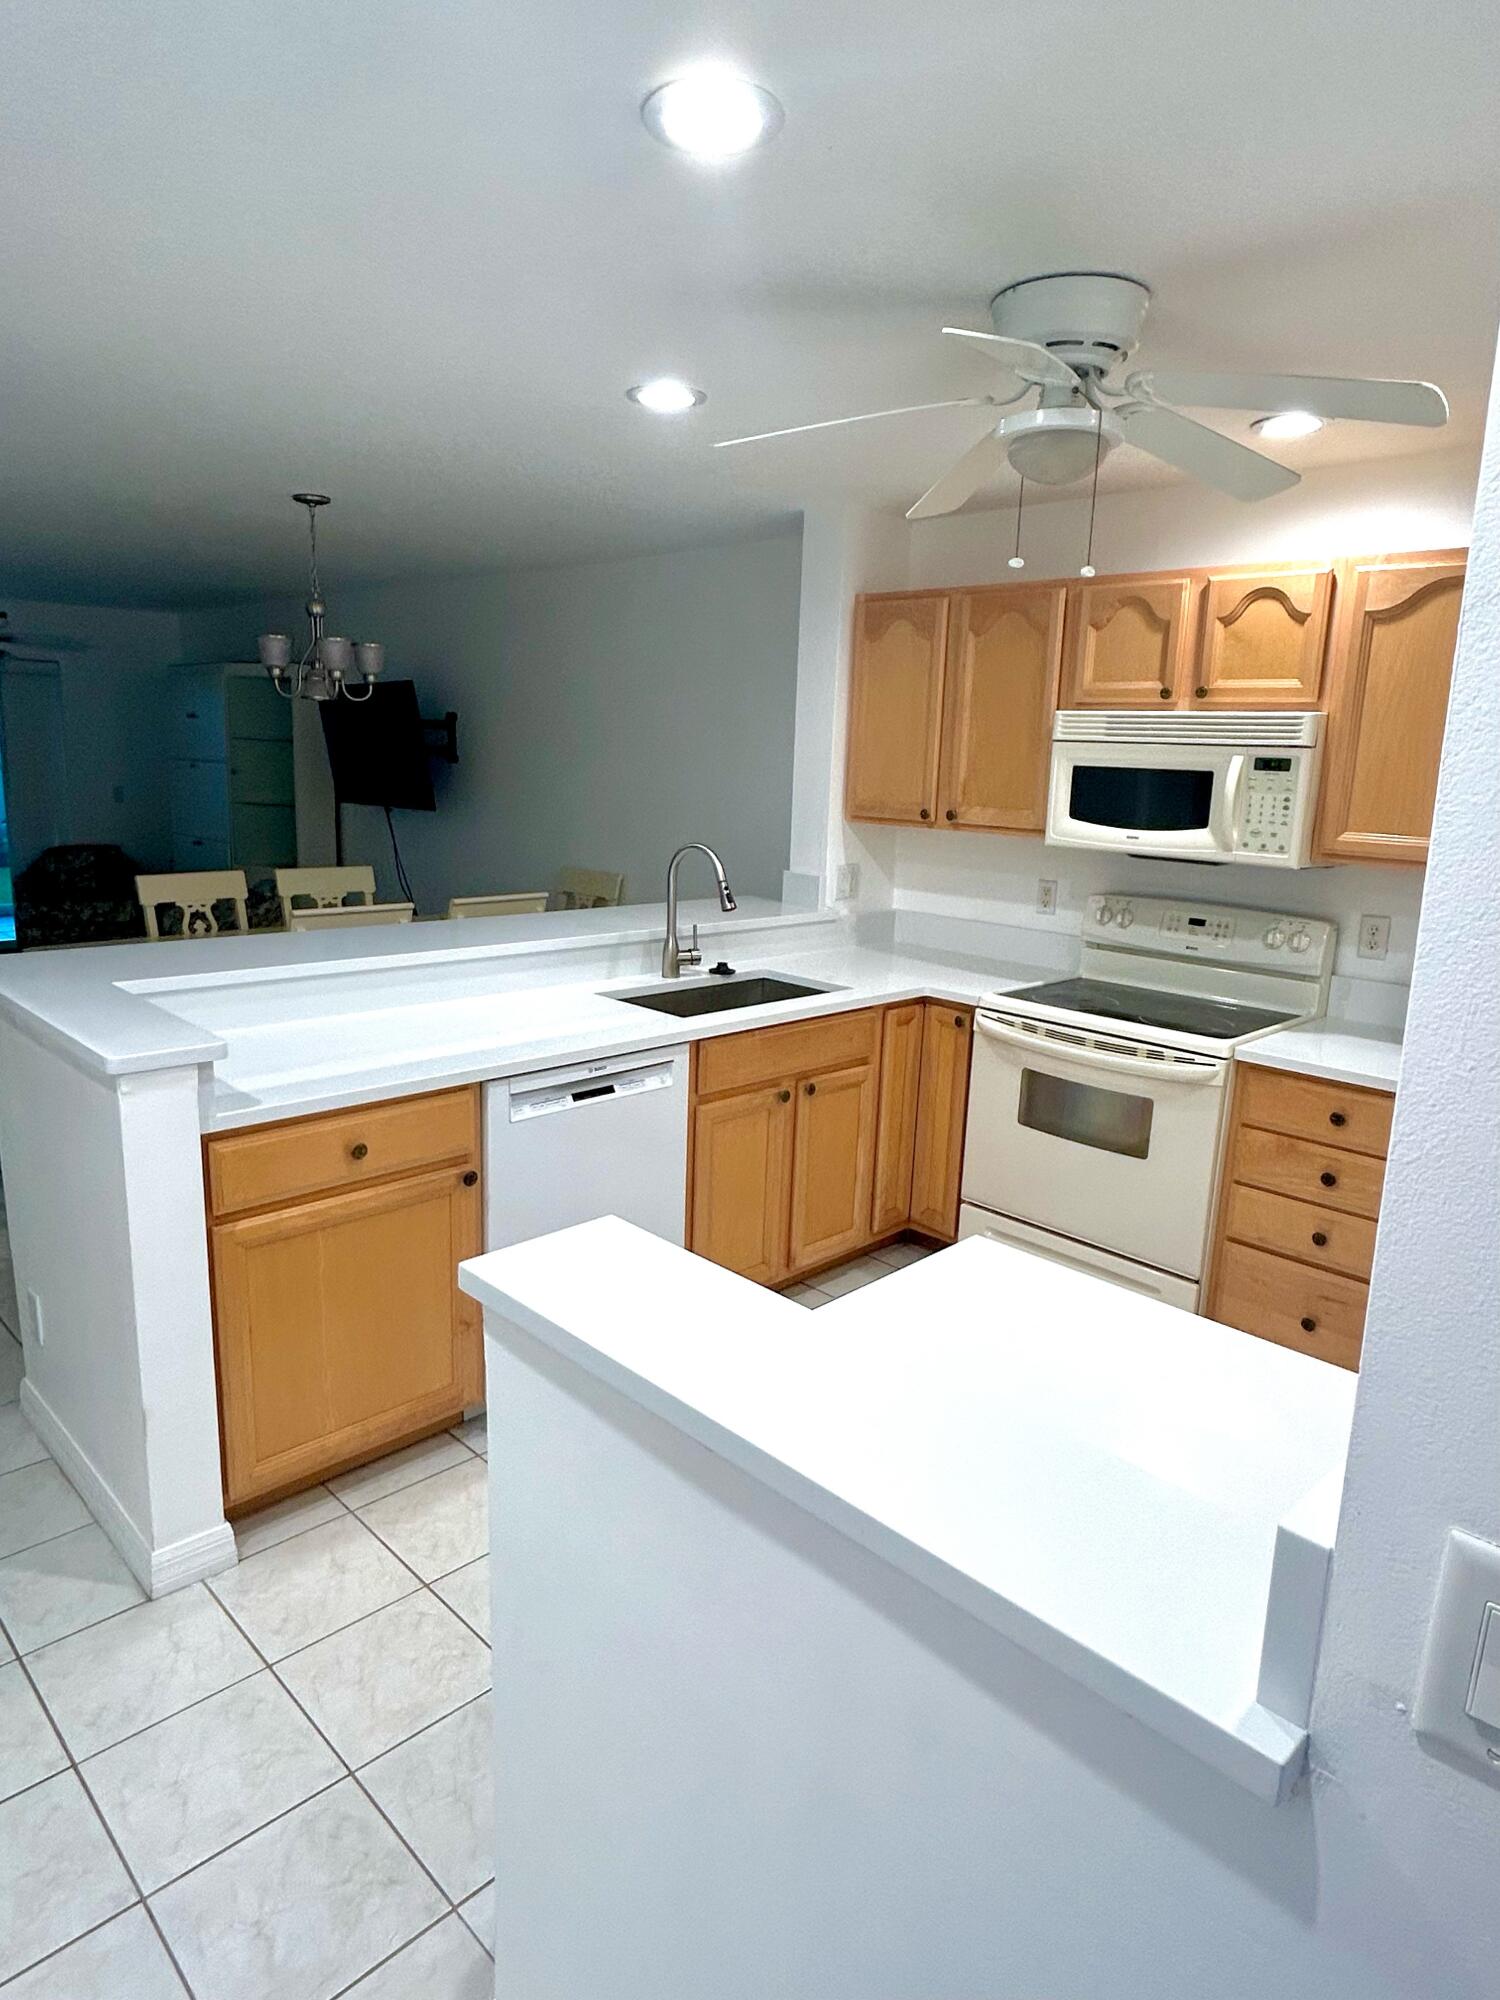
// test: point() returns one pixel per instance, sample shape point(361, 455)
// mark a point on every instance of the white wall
point(112, 692)
point(607, 713)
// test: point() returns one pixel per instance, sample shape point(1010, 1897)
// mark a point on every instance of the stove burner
point(1146, 1007)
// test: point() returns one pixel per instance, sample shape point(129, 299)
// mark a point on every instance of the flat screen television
point(377, 750)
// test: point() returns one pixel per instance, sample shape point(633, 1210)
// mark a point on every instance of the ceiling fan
point(1064, 336)
point(39, 642)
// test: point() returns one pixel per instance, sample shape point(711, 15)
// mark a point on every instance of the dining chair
point(517, 903)
point(323, 888)
point(197, 895)
point(588, 888)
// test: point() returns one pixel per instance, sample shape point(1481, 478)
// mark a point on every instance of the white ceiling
point(413, 254)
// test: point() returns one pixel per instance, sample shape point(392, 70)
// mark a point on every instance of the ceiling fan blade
point(866, 417)
point(1207, 454)
point(1021, 357)
point(961, 481)
point(1351, 396)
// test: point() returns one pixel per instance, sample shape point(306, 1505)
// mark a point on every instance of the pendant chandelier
point(323, 672)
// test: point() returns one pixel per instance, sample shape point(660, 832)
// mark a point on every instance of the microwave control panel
point(1267, 806)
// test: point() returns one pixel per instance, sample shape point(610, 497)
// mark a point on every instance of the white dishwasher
point(599, 1138)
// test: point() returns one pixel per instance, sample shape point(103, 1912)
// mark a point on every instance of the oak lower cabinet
point(942, 1104)
point(833, 1165)
point(339, 1328)
point(742, 1159)
point(1393, 660)
point(1297, 1214)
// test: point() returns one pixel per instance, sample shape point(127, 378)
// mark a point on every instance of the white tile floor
point(275, 1783)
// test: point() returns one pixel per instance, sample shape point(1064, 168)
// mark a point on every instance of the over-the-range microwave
point(1225, 786)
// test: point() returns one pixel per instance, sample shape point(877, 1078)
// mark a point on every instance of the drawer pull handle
point(924, 814)
point(1329, 1180)
point(1308, 1324)
point(1337, 1118)
point(1320, 1237)
point(359, 1150)
point(811, 1089)
point(783, 1097)
point(471, 1179)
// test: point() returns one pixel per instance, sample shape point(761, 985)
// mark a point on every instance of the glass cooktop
point(1145, 1007)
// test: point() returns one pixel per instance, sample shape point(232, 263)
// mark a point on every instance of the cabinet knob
point(1307, 1323)
point(1165, 693)
point(924, 814)
point(811, 1089)
point(783, 1097)
point(1329, 1180)
point(359, 1150)
point(471, 1179)
point(1320, 1237)
point(958, 1020)
point(1337, 1118)
point(950, 814)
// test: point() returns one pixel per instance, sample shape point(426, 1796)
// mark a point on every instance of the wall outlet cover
point(846, 882)
point(1046, 897)
point(1468, 1586)
point(1374, 937)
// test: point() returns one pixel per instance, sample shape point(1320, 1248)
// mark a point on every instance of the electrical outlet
point(1046, 897)
point(1374, 937)
point(34, 1312)
point(846, 882)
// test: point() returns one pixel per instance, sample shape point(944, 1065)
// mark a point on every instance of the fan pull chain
point(1088, 560)
point(1018, 561)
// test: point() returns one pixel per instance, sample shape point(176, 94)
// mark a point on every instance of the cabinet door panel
point(833, 1165)
point(1001, 685)
point(947, 1033)
point(742, 1154)
point(1263, 640)
point(340, 1327)
point(895, 707)
point(1127, 643)
point(896, 1138)
point(1393, 660)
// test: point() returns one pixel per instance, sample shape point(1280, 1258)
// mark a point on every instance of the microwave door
point(1155, 801)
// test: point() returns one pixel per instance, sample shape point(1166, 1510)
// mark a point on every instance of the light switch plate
point(1456, 1678)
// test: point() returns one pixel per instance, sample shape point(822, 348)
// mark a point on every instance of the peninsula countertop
point(1127, 1491)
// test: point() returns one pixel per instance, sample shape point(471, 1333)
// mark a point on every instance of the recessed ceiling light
point(712, 112)
point(666, 396)
point(1287, 424)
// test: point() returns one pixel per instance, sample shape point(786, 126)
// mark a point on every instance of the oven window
point(1141, 801)
point(1116, 1121)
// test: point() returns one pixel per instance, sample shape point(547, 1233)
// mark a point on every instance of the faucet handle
point(690, 954)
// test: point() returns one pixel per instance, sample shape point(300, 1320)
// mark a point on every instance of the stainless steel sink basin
point(718, 996)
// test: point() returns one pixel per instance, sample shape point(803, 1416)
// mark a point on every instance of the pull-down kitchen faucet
point(674, 956)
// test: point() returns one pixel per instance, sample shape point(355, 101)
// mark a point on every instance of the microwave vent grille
point(1262, 729)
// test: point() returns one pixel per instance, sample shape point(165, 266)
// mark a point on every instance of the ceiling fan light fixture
point(666, 396)
point(712, 113)
point(1055, 447)
point(1287, 424)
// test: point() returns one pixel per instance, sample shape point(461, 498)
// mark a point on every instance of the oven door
point(1095, 1138)
point(1176, 800)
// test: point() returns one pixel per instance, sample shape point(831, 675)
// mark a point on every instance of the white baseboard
point(158, 1570)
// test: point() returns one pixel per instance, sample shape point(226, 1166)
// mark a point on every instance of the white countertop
point(1333, 1050)
point(1097, 1476)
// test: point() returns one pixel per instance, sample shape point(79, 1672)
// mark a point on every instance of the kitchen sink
point(718, 996)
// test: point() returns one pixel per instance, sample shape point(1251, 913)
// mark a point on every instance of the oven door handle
point(1195, 1071)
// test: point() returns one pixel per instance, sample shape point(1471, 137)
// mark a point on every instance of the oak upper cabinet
point(943, 1100)
point(1004, 650)
point(833, 1165)
point(339, 1327)
point(1262, 639)
point(1391, 666)
point(742, 1152)
point(1128, 642)
point(895, 708)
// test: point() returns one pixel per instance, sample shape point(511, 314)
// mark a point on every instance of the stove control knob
point(1125, 918)
point(1275, 937)
point(1299, 941)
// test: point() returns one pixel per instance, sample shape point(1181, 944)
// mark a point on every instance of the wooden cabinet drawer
point(1317, 1312)
point(1308, 1171)
point(801, 1048)
point(339, 1149)
point(1318, 1235)
point(1310, 1108)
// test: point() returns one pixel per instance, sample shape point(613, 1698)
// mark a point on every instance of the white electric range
point(1097, 1104)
